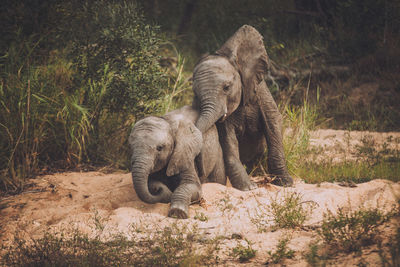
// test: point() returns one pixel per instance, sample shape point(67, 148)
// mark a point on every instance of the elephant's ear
point(188, 143)
point(246, 51)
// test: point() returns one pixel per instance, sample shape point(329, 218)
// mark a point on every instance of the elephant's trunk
point(140, 177)
point(208, 116)
point(210, 111)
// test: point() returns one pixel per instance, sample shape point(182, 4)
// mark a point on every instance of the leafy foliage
point(61, 107)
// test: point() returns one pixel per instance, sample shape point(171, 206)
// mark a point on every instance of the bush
point(282, 251)
point(244, 253)
point(290, 212)
point(350, 230)
point(71, 89)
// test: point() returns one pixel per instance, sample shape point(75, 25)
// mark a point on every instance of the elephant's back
point(186, 113)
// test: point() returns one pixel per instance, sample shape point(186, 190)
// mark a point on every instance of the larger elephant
point(229, 87)
point(163, 155)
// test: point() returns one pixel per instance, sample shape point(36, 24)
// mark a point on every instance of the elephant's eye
point(226, 88)
point(160, 147)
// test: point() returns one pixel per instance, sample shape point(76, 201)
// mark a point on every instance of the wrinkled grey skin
point(163, 156)
point(230, 88)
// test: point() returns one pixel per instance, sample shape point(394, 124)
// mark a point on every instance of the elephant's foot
point(178, 211)
point(243, 184)
point(283, 180)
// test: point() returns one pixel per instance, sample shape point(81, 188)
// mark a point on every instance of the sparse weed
point(314, 257)
point(201, 216)
point(351, 230)
point(369, 152)
point(225, 203)
point(290, 211)
point(282, 251)
point(98, 221)
point(260, 219)
point(244, 253)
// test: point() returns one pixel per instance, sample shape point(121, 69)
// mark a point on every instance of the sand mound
point(77, 199)
point(73, 198)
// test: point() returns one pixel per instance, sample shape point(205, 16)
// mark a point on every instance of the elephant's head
point(156, 144)
point(223, 80)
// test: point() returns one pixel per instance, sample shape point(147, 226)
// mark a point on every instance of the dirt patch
point(340, 145)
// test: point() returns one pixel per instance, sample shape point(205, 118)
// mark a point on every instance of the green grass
point(357, 172)
point(372, 161)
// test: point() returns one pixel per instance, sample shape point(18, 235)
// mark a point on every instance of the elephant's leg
point(233, 166)
point(218, 173)
point(189, 190)
point(272, 128)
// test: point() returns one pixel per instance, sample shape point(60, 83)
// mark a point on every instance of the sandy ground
point(73, 199)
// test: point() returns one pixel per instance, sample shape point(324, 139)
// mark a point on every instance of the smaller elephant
point(163, 159)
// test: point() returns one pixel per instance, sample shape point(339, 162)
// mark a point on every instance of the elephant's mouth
point(223, 118)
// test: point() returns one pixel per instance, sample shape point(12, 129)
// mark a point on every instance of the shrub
point(350, 230)
point(282, 251)
point(68, 91)
point(244, 253)
point(291, 211)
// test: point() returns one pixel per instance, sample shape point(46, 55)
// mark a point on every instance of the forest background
point(76, 75)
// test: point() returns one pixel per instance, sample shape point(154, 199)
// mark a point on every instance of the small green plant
point(225, 203)
point(290, 211)
point(282, 251)
point(201, 216)
point(259, 219)
point(313, 256)
point(244, 253)
point(351, 230)
point(98, 221)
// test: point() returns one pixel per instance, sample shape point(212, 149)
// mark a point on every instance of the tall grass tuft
point(40, 118)
point(298, 122)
